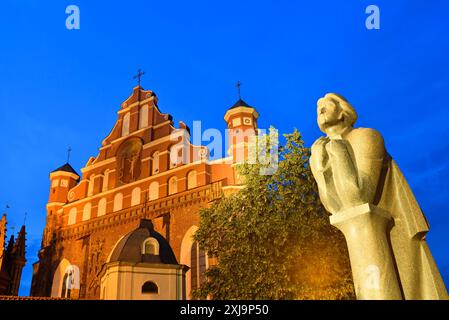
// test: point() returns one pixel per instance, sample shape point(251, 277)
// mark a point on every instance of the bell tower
point(241, 121)
point(61, 181)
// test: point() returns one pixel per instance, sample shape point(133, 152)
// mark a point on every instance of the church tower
point(62, 180)
point(241, 120)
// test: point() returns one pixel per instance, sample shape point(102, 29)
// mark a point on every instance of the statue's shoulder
point(368, 139)
point(366, 133)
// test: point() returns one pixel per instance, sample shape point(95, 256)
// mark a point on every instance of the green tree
point(272, 239)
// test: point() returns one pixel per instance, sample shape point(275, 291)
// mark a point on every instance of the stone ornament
point(372, 204)
point(129, 161)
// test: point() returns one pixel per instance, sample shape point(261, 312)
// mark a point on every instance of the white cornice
point(234, 111)
point(162, 124)
point(50, 204)
point(127, 108)
point(63, 174)
point(156, 142)
point(99, 164)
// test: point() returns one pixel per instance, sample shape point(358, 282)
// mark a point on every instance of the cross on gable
point(138, 76)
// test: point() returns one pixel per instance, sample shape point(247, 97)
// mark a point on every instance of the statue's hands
point(336, 147)
point(319, 154)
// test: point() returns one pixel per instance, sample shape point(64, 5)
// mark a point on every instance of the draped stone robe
point(359, 170)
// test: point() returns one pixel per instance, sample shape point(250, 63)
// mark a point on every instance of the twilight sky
point(61, 87)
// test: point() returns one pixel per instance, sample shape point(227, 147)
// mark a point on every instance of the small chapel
point(122, 227)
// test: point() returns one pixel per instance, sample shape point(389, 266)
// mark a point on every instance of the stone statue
point(132, 164)
point(372, 204)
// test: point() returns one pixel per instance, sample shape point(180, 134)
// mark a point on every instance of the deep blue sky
point(62, 87)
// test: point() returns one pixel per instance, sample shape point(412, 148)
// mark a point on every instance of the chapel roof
point(129, 248)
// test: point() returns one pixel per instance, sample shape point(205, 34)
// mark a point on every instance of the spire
point(240, 103)
point(10, 246)
point(67, 168)
point(19, 246)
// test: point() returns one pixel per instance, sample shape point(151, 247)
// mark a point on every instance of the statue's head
point(333, 110)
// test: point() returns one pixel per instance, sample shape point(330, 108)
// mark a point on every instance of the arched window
point(175, 155)
point(154, 190)
point(172, 185)
point(197, 266)
point(150, 287)
point(118, 202)
point(143, 117)
point(155, 163)
point(150, 246)
point(135, 196)
point(86, 211)
point(70, 281)
point(65, 293)
point(72, 216)
point(191, 180)
point(101, 207)
point(125, 125)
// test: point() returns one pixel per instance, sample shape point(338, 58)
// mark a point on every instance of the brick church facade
point(134, 208)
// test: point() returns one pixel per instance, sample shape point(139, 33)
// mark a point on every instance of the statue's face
point(328, 113)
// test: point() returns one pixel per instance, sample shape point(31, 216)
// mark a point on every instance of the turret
point(61, 181)
point(241, 119)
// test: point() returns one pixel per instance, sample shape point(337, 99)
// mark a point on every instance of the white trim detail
point(64, 174)
point(125, 125)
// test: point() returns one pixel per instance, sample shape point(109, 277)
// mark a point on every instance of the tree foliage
point(272, 239)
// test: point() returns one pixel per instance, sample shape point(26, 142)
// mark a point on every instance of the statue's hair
point(349, 114)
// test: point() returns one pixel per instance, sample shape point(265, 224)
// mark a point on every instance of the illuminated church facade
point(123, 227)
